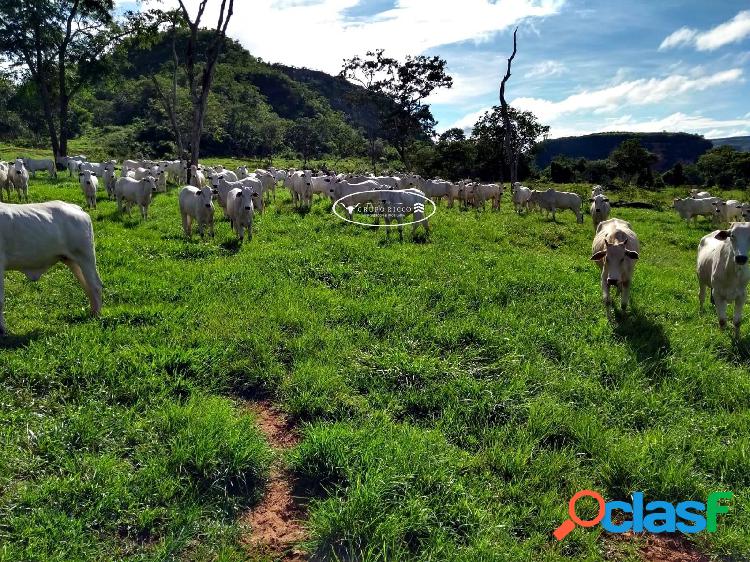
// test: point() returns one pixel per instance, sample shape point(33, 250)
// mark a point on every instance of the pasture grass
point(454, 391)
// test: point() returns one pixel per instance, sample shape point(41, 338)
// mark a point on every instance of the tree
point(304, 136)
point(631, 160)
point(489, 133)
point(60, 44)
point(169, 100)
point(511, 151)
point(456, 155)
point(405, 85)
point(200, 87)
point(675, 176)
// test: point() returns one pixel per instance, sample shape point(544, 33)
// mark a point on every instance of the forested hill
point(740, 143)
point(669, 147)
point(253, 109)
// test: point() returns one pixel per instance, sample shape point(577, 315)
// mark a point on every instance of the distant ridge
point(670, 148)
point(740, 143)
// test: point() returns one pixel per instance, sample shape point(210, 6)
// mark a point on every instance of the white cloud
point(466, 122)
point(465, 88)
point(683, 36)
point(731, 31)
point(631, 93)
point(546, 69)
point(319, 35)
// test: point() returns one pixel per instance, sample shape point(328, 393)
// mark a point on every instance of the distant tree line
point(632, 164)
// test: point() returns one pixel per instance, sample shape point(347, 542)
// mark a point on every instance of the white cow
point(18, 177)
point(269, 182)
point(483, 192)
point(695, 194)
point(74, 165)
point(129, 192)
point(600, 209)
point(4, 180)
point(197, 205)
point(241, 210)
point(521, 195)
point(160, 176)
point(552, 201)
point(399, 204)
point(597, 190)
point(35, 237)
point(40, 165)
point(242, 172)
point(109, 179)
point(728, 211)
point(615, 249)
point(89, 184)
point(197, 179)
point(437, 189)
point(722, 266)
point(301, 188)
point(690, 208)
point(355, 194)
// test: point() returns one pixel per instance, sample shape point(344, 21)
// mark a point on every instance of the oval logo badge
point(386, 204)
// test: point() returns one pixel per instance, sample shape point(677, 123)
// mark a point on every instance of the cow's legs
point(721, 310)
point(85, 271)
point(739, 303)
point(625, 295)
point(701, 295)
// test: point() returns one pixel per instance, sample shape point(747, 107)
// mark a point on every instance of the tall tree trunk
point(510, 152)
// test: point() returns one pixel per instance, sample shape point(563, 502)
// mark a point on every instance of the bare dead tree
point(511, 156)
point(169, 103)
point(200, 88)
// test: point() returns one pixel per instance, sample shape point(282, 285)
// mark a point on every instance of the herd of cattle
point(33, 237)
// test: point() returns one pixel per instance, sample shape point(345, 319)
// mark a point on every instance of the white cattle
point(4, 180)
point(40, 165)
point(722, 266)
point(197, 179)
point(552, 201)
point(745, 211)
point(355, 194)
point(96, 167)
point(597, 190)
point(322, 185)
point(89, 184)
point(728, 211)
point(268, 180)
point(35, 237)
point(690, 208)
point(109, 179)
point(600, 209)
point(615, 249)
point(160, 177)
point(483, 192)
point(129, 191)
point(399, 204)
point(695, 194)
point(242, 172)
point(437, 189)
point(197, 205)
point(241, 210)
point(301, 187)
point(521, 195)
point(18, 177)
point(74, 165)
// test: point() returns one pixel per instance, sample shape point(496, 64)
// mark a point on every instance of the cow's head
point(738, 237)
point(614, 256)
point(206, 196)
point(599, 201)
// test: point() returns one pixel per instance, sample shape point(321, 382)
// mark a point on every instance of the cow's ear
point(80, 174)
point(632, 254)
point(606, 199)
point(198, 193)
point(239, 194)
point(722, 235)
point(255, 194)
point(599, 255)
point(93, 174)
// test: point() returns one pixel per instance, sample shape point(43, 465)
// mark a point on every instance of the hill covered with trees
point(668, 148)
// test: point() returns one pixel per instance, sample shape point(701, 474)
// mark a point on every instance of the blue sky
point(582, 66)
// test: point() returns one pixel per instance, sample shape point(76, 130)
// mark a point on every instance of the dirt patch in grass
point(666, 547)
point(275, 524)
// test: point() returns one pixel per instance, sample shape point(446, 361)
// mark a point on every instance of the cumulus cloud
point(630, 93)
point(318, 34)
point(731, 31)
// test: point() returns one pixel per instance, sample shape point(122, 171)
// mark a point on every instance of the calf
point(722, 266)
point(690, 208)
point(615, 249)
point(197, 179)
point(35, 237)
point(89, 185)
point(197, 205)
point(241, 210)
point(552, 201)
point(129, 192)
point(109, 179)
point(599, 209)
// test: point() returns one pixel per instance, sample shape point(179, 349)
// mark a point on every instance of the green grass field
point(453, 393)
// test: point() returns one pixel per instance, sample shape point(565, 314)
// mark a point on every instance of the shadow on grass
point(11, 342)
point(648, 341)
point(231, 246)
